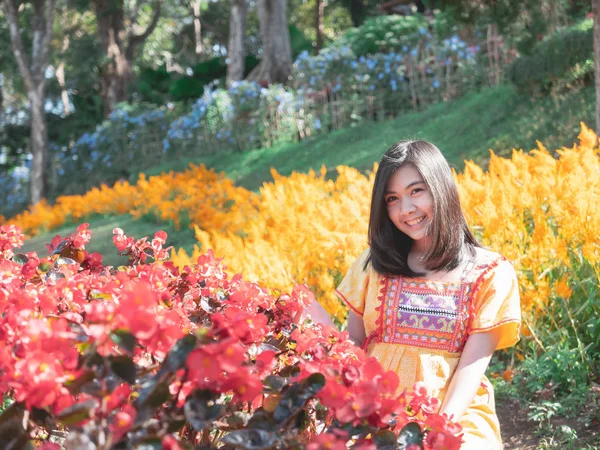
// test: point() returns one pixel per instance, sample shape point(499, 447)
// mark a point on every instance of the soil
point(520, 433)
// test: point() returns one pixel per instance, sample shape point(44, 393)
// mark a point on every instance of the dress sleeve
point(496, 304)
point(353, 288)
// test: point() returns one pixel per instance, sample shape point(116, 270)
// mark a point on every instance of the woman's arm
point(469, 372)
point(356, 327)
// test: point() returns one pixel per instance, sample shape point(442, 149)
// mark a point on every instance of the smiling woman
point(426, 299)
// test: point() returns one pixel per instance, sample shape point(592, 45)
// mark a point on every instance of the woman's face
point(410, 204)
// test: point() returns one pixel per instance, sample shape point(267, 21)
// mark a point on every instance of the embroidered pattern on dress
point(430, 314)
point(423, 313)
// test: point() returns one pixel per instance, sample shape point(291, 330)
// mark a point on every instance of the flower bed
point(149, 355)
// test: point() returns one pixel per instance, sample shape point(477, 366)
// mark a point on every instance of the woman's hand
point(356, 327)
point(318, 314)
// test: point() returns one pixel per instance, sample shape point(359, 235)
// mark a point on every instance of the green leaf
point(54, 275)
point(296, 396)
point(45, 266)
point(149, 444)
point(175, 424)
point(200, 409)
point(124, 339)
point(20, 258)
point(290, 371)
point(274, 384)
point(124, 367)
point(177, 356)
point(75, 385)
point(77, 412)
point(262, 420)
point(238, 419)
point(385, 440)
point(410, 434)
point(153, 394)
point(60, 247)
point(251, 439)
point(11, 427)
point(65, 261)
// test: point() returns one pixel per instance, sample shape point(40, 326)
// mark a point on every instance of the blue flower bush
point(388, 66)
point(244, 117)
point(405, 78)
point(126, 139)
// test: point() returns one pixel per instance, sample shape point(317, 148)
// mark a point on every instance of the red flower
point(334, 395)
point(436, 440)
point(121, 241)
point(122, 422)
point(169, 442)
point(37, 380)
point(327, 441)
point(137, 309)
point(245, 386)
point(247, 327)
point(265, 362)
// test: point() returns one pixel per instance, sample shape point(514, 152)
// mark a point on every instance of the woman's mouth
point(414, 222)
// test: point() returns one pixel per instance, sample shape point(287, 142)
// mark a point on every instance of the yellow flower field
point(540, 209)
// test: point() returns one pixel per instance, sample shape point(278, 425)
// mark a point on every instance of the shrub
point(128, 139)
point(559, 61)
point(147, 356)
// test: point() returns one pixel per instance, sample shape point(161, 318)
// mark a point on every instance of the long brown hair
point(452, 239)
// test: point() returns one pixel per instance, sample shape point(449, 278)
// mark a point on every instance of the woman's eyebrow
point(414, 183)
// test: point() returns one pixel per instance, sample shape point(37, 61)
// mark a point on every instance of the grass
point(498, 118)
point(101, 242)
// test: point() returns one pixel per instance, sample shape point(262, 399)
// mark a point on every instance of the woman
point(425, 298)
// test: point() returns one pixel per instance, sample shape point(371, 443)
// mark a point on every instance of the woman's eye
point(416, 191)
point(390, 199)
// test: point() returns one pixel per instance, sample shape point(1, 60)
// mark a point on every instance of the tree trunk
point(197, 26)
point(60, 77)
point(235, 49)
point(596, 13)
point(119, 44)
point(320, 12)
point(276, 62)
point(358, 11)
point(39, 143)
point(33, 71)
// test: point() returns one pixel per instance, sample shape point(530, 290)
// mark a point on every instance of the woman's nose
point(406, 205)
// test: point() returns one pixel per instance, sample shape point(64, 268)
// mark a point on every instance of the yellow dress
point(418, 328)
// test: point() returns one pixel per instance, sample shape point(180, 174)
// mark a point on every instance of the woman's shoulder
point(488, 262)
point(363, 264)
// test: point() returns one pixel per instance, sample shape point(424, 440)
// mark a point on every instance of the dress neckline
point(463, 276)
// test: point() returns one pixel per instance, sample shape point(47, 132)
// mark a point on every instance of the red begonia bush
point(148, 356)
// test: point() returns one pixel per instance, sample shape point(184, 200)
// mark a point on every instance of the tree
point(33, 71)
point(236, 48)
point(119, 42)
point(596, 14)
point(195, 7)
point(276, 63)
point(319, 18)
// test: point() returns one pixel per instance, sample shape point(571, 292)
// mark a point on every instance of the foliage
point(147, 355)
point(559, 61)
point(336, 19)
point(124, 137)
point(522, 23)
point(384, 34)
